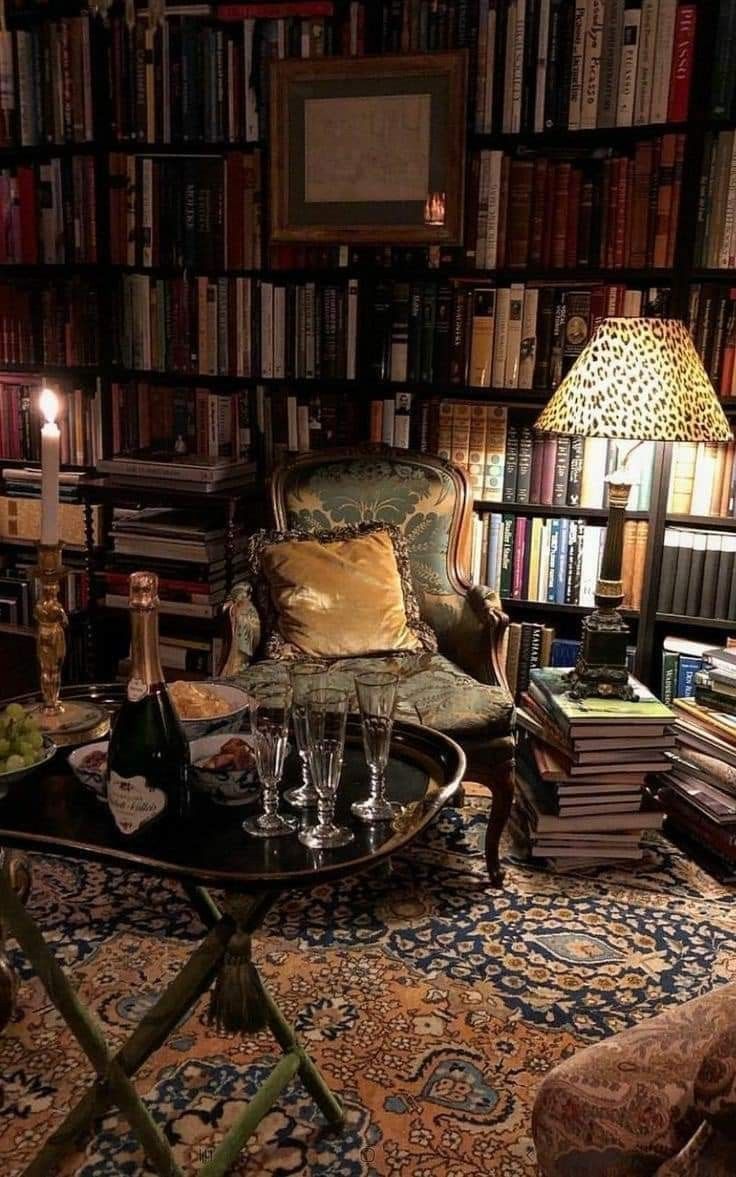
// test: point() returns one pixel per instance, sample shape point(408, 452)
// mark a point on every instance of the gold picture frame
point(369, 149)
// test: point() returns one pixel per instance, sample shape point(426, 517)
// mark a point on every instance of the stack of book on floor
point(581, 770)
point(699, 794)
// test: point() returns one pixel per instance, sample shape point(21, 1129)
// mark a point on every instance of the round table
point(53, 812)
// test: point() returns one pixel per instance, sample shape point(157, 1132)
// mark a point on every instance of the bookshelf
point(496, 125)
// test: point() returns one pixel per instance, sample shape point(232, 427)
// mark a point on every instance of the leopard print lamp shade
point(640, 379)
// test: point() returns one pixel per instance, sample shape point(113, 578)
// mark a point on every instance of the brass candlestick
point(72, 721)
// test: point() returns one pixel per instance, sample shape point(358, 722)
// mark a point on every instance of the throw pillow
point(336, 594)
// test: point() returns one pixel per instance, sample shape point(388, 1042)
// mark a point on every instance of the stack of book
point(682, 658)
point(196, 437)
point(698, 573)
point(715, 241)
point(581, 771)
point(528, 646)
point(237, 326)
point(712, 323)
point(80, 422)
point(583, 65)
point(461, 332)
point(48, 212)
point(186, 549)
point(617, 212)
point(702, 479)
point(49, 323)
point(186, 211)
point(699, 794)
point(538, 558)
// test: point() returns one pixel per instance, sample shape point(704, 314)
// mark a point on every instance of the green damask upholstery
point(432, 691)
point(462, 689)
point(416, 496)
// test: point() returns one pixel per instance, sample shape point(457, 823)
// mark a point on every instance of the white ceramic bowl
point(9, 778)
point(226, 788)
point(231, 721)
point(91, 778)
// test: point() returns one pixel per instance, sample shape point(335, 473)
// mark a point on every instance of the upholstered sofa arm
point(476, 640)
point(242, 630)
point(715, 1083)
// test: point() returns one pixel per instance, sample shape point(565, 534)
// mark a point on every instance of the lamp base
point(601, 670)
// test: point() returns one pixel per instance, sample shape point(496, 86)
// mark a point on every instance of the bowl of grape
point(23, 747)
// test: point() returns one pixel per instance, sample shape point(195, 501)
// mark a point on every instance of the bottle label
point(133, 802)
point(137, 689)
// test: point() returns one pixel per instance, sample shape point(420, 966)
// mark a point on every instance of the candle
point(49, 405)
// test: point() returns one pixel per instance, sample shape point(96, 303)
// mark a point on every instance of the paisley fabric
point(715, 1082)
point(432, 691)
point(626, 1106)
point(435, 1005)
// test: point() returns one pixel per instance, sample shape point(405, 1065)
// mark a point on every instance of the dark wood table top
point(52, 811)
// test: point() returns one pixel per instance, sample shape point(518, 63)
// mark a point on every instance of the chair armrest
point(243, 630)
point(477, 640)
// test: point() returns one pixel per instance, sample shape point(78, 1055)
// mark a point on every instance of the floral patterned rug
point(434, 1005)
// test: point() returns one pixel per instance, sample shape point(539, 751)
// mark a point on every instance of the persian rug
point(434, 1005)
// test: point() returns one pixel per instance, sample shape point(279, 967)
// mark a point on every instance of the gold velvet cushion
point(336, 594)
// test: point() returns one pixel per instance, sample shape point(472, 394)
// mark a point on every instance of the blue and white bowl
point(236, 787)
point(91, 778)
point(231, 721)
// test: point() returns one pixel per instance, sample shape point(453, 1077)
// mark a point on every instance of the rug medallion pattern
point(434, 1005)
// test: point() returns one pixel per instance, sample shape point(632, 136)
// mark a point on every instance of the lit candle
point(49, 405)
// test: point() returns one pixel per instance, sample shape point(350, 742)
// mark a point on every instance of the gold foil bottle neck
point(143, 590)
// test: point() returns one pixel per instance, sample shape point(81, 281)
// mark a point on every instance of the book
point(573, 716)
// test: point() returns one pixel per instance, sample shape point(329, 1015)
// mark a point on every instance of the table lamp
point(637, 379)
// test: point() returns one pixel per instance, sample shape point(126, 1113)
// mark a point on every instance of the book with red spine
point(558, 226)
point(520, 210)
point(299, 8)
point(537, 224)
point(573, 215)
point(683, 52)
point(27, 198)
point(622, 206)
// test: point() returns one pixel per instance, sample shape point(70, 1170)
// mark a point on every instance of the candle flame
point(48, 402)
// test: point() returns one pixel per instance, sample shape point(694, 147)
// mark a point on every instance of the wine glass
point(327, 713)
point(305, 678)
point(377, 702)
point(270, 707)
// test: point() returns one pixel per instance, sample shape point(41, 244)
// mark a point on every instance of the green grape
point(36, 740)
point(4, 748)
point(14, 762)
point(14, 711)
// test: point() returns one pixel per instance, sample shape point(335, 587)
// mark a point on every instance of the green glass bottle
point(148, 757)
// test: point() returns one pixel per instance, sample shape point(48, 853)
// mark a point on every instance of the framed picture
point(368, 149)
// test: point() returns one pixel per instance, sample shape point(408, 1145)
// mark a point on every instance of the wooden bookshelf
point(446, 266)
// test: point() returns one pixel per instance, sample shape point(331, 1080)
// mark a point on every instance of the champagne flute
point(327, 713)
point(270, 707)
point(305, 678)
point(377, 702)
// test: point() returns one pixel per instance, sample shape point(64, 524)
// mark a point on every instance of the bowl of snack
point(23, 746)
point(223, 767)
point(208, 707)
point(89, 765)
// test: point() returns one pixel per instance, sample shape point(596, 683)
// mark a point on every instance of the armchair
point(460, 690)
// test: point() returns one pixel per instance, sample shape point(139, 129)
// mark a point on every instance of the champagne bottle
point(148, 756)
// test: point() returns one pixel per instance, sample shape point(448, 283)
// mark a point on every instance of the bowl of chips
point(224, 768)
point(208, 707)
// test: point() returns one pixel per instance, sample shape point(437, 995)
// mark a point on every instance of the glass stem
point(270, 798)
point(325, 810)
point(378, 783)
point(306, 778)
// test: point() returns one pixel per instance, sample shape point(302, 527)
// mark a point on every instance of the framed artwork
point(368, 149)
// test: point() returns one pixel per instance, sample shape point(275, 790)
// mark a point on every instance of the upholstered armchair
point(656, 1100)
point(461, 689)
